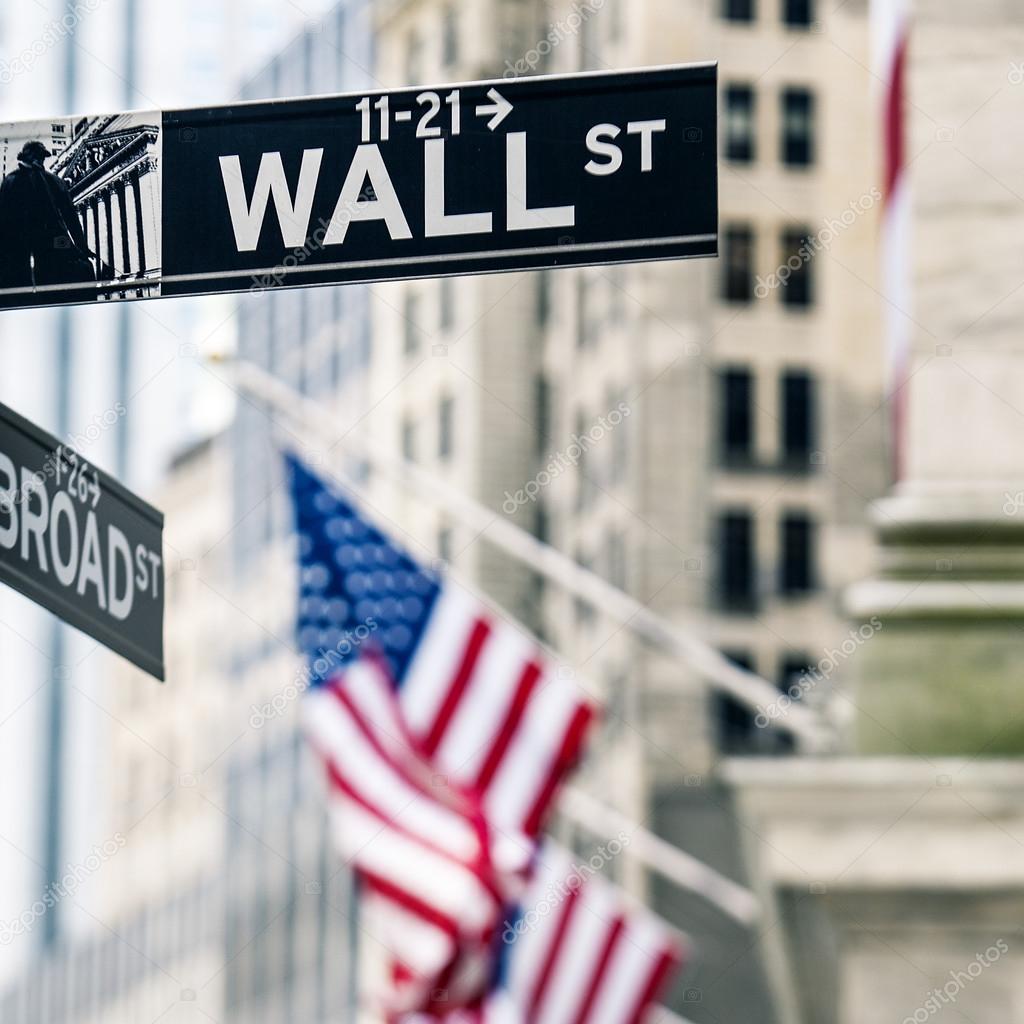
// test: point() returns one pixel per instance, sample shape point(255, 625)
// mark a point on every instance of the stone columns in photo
point(893, 879)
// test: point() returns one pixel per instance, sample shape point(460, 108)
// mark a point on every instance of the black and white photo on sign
point(80, 209)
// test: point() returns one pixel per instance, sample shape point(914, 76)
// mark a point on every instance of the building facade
point(154, 882)
point(290, 930)
point(706, 435)
point(146, 932)
point(716, 431)
point(113, 174)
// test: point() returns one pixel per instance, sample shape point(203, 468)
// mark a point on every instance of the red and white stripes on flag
point(581, 955)
point(890, 24)
point(438, 875)
point(578, 954)
point(492, 712)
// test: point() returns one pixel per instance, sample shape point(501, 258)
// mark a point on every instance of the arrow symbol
point(499, 107)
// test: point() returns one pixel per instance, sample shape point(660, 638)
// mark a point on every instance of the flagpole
point(663, 1015)
point(677, 866)
point(746, 687)
point(674, 864)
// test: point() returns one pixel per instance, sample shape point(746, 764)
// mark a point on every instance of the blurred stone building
point(290, 929)
point(156, 948)
point(896, 874)
point(174, 922)
point(742, 441)
point(731, 411)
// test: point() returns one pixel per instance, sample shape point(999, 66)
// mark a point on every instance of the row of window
point(315, 338)
point(411, 316)
point(87, 977)
point(736, 730)
point(612, 564)
point(795, 13)
point(792, 277)
point(445, 432)
point(415, 50)
point(798, 403)
point(796, 125)
point(737, 577)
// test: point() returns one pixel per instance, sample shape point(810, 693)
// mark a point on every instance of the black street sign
point(75, 541)
point(479, 177)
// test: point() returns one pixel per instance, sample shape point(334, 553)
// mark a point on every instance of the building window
point(586, 316)
point(618, 469)
point(410, 314)
point(736, 427)
point(615, 282)
point(413, 58)
point(446, 427)
point(444, 544)
point(797, 256)
point(449, 37)
point(586, 487)
point(734, 722)
point(796, 569)
point(738, 264)
point(615, 552)
point(542, 523)
point(736, 569)
point(542, 412)
point(739, 10)
point(794, 681)
point(591, 58)
point(798, 417)
point(446, 303)
point(615, 21)
point(408, 440)
point(794, 672)
point(740, 144)
point(583, 609)
point(797, 127)
point(799, 13)
point(543, 307)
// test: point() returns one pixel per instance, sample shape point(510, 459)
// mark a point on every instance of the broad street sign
point(424, 182)
point(75, 541)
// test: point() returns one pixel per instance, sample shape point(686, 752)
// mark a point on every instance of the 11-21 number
point(424, 129)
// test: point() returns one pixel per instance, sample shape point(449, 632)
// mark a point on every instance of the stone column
point(942, 676)
point(898, 873)
point(148, 184)
point(122, 216)
point(109, 228)
point(140, 230)
point(94, 237)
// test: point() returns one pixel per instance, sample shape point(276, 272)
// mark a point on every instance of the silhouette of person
point(41, 237)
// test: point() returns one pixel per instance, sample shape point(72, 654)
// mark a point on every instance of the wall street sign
point(75, 541)
point(480, 177)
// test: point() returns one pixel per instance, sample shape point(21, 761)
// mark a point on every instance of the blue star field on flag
point(358, 590)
